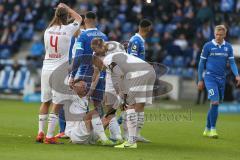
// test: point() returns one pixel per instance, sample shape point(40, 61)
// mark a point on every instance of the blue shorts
point(215, 87)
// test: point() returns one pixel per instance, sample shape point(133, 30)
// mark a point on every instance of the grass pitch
point(176, 134)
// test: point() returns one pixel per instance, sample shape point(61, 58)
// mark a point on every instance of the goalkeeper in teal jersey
point(215, 56)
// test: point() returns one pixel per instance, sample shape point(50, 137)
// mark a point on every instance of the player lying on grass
point(57, 41)
point(215, 55)
point(130, 76)
point(84, 127)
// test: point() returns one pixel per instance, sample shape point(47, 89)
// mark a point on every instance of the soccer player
point(132, 77)
point(72, 51)
point(57, 41)
point(110, 96)
point(136, 48)
point(215, 55)
point(136, 43)
point(83, 59)
point(88, 127)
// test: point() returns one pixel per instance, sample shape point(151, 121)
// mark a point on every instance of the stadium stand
point(180, 29)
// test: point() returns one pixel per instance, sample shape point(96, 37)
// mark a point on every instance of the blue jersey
point(136, 46)
point(84, 51)
point(216, 57)
point(72, 49)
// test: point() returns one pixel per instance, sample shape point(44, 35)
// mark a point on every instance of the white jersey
point(57, 41)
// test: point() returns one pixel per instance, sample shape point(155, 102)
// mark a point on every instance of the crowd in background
point(180, 26)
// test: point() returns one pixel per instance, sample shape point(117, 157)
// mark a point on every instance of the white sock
point(114, 128)
point(52, 122)
point(124, 124)
point(132, 125)
point(140, 122)
point(42, 119)
point(98, 127)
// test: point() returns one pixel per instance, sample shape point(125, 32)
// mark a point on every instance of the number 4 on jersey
point(55, 43)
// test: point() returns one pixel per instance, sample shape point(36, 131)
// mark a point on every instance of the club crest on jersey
point(134, 47)
point(225, 49)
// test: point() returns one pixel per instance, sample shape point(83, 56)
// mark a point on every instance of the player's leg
point(46, 97)
point(115, 132)
point(214, 96)
point(145, 97)
point(42, 119)
point(52, 122)
point(97, 96)
point(62, 124)
point(132, 128)
point(96, 124)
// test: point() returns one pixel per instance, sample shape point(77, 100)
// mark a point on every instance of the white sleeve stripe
point(231, 58)
point(203, 57)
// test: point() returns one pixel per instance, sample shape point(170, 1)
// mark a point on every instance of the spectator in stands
point(205, 12)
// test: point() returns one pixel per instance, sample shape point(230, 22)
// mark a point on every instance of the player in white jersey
point(131, 76)
point(110, 95)
point(82, 126)
point(57, 43)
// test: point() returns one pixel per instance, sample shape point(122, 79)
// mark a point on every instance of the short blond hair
point(220, 27)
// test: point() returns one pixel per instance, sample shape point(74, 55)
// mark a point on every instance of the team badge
point(134, 47)
point(225, 49)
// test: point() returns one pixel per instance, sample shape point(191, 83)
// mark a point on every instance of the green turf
point(172, 139)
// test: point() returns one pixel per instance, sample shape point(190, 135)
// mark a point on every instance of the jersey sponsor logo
point(213, 49)
point(219, 54)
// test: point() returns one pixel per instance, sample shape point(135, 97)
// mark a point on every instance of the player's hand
point(71, 82)
point(90, 92)
point(238, 80)
point(200, 85)
point(62, 5)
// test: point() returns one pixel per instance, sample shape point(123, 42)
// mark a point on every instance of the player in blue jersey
point(215, 55)
point(72, 51)
point(83, 59)
point(136, 43)
point(136, 48)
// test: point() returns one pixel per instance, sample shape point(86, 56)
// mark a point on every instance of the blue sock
point(208, 126)
point(214, 115)
point(62, 122)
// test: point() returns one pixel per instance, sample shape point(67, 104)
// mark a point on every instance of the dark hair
point(91, 15)
point(83, 17)
point(60, 17)
point(145, 23)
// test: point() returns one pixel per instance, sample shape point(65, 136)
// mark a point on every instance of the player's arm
point(71, 12)
point(77, 58)
point(133, 47)
point(234, 66)
point(201, 66)
point(95, 79)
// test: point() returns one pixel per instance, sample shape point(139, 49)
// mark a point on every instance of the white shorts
point(80, 135)
point(140, 90)
point(110, 93)
point(52, 86)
